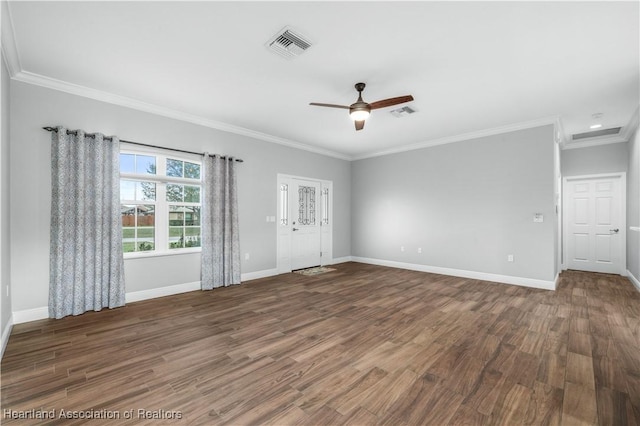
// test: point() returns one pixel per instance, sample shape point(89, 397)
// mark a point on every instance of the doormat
point(317, 270)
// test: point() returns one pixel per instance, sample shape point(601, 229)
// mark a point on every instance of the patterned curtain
point(220, 237)
point(86, 263)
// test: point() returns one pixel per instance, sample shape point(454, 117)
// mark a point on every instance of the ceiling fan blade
point(329, 105)
point(391, 101)
point(359, 124)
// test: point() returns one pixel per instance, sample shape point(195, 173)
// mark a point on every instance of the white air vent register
point(288, 43)
point(596, 133)
point(402, 112)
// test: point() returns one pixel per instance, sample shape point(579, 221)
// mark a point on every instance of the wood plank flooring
point(361, 345)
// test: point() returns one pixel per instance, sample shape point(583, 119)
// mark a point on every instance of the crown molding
point(9, 49)
point(462, 137)
point(74, 89)
point(11, 58)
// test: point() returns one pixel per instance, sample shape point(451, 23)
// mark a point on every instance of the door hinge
point(320, 254)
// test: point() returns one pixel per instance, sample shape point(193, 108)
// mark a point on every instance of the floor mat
point(317, 270)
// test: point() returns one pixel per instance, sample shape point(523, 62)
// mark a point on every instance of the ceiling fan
point(360, 110)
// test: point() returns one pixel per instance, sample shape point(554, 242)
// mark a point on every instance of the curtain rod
point(53, 129)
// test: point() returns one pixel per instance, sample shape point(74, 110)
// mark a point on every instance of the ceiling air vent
point(402, 112)
point(596, 133)
point(288, 44)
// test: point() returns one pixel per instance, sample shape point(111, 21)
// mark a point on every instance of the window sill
point(145, 254)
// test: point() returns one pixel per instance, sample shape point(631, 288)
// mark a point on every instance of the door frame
point(623, 214)
point(283, 222)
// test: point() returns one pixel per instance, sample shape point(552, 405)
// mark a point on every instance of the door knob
point(614, 230)
point(294, 229)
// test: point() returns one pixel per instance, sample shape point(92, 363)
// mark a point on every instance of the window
point(160, 198)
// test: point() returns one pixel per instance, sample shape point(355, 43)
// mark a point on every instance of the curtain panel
point(86, 261)
point(220, 264)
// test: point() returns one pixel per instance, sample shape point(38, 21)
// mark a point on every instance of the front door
point(305, 212)
point(595, 225)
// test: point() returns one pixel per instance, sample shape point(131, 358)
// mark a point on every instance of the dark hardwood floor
point(361, 345)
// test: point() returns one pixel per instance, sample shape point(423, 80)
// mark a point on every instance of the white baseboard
point(30, 315)
point(505, 279)
point(35, 314)
point(337, 260)
point(5, 336)
point(259, 274)
point(634, 280)
point(153, 293)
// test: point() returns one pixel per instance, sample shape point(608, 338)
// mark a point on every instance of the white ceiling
point(471, 66)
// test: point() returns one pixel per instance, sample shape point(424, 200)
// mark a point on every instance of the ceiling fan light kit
point(360, 113)
point(360, 110)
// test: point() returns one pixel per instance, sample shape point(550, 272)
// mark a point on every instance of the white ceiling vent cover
point(402, 112)
point(288, 43)
point(596, 133)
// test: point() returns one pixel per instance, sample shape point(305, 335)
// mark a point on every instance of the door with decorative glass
point(306, 217)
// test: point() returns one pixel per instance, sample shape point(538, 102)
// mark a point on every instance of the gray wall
point(33, 107)
point(5, 265)
point(633, 206)
point(594, 160)
point(467, 205)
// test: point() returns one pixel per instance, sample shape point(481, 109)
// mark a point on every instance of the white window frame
point(161, 180)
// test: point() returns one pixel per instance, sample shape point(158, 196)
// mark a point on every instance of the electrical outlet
point(401, 248)
point(246, 256)
point(419, 249)
point(509, 258)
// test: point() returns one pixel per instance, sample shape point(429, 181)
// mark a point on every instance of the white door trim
point(283, 222)
point(623, 215)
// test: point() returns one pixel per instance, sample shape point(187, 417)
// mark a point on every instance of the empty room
point(320, 213)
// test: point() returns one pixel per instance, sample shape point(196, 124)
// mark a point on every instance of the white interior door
point(594, 226)
point(305, 214)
